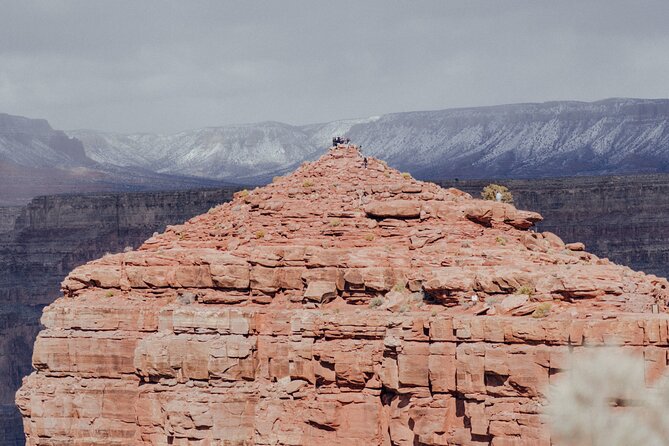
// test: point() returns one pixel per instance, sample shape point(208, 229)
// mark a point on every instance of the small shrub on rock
point(400, 287)
point(542, 310)
point(376, 302)
point(525, 289)
point(490, 193)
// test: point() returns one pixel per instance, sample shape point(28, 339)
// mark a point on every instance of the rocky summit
point(344, 304)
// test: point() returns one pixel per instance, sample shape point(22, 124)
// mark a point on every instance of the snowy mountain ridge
point(557, 138)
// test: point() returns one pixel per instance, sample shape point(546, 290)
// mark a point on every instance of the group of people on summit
point(340, 140)
point(336, 140)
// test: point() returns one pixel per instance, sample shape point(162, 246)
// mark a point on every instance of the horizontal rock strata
point(344, 305)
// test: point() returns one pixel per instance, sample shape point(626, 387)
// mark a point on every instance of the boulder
point(400, 209)
point(320, 291)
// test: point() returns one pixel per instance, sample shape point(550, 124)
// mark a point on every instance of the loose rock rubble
point(344, 304)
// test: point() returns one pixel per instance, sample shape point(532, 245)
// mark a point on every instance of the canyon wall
point(8, 215)
point(50, 237)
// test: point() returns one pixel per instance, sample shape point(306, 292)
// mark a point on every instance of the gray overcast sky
point(166, 66)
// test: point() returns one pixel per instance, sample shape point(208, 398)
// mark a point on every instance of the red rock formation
point(340, 305)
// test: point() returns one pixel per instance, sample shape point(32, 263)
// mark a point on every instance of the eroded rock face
point(340, 305)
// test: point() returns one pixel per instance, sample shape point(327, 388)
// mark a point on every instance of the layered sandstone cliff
point(50, 237)
point(344, 305)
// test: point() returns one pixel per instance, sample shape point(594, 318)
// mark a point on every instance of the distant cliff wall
point(619, 217)
point(53, 235)
point(8, 216)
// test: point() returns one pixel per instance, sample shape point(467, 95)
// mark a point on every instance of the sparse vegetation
point(406, 175)
point(307, 183)
point(369, 237)
point(418, 296)
point(400, 287)
point(525, 289)
point(375, 302)
point(500, 241)
point(542, 310)
point(260, 233)
point(490, 193)
point(109, 294)
point(243, 193)
point(335, 222)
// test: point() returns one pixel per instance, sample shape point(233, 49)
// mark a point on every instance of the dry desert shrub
point(603, 400)
point(490, 193)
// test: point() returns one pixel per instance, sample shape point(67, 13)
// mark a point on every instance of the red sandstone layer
point(339, 305)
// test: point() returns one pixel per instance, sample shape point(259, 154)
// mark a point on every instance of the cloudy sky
point(166, 66)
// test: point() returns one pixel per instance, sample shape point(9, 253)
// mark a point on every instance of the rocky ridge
point(341, 304)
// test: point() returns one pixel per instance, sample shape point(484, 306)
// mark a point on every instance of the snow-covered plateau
point(520, 140)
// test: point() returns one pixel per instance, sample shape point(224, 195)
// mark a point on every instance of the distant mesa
point(38, 160)
point(343, 304)
point(553, 139)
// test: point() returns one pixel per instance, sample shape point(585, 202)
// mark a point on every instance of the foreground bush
point(604, 401)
